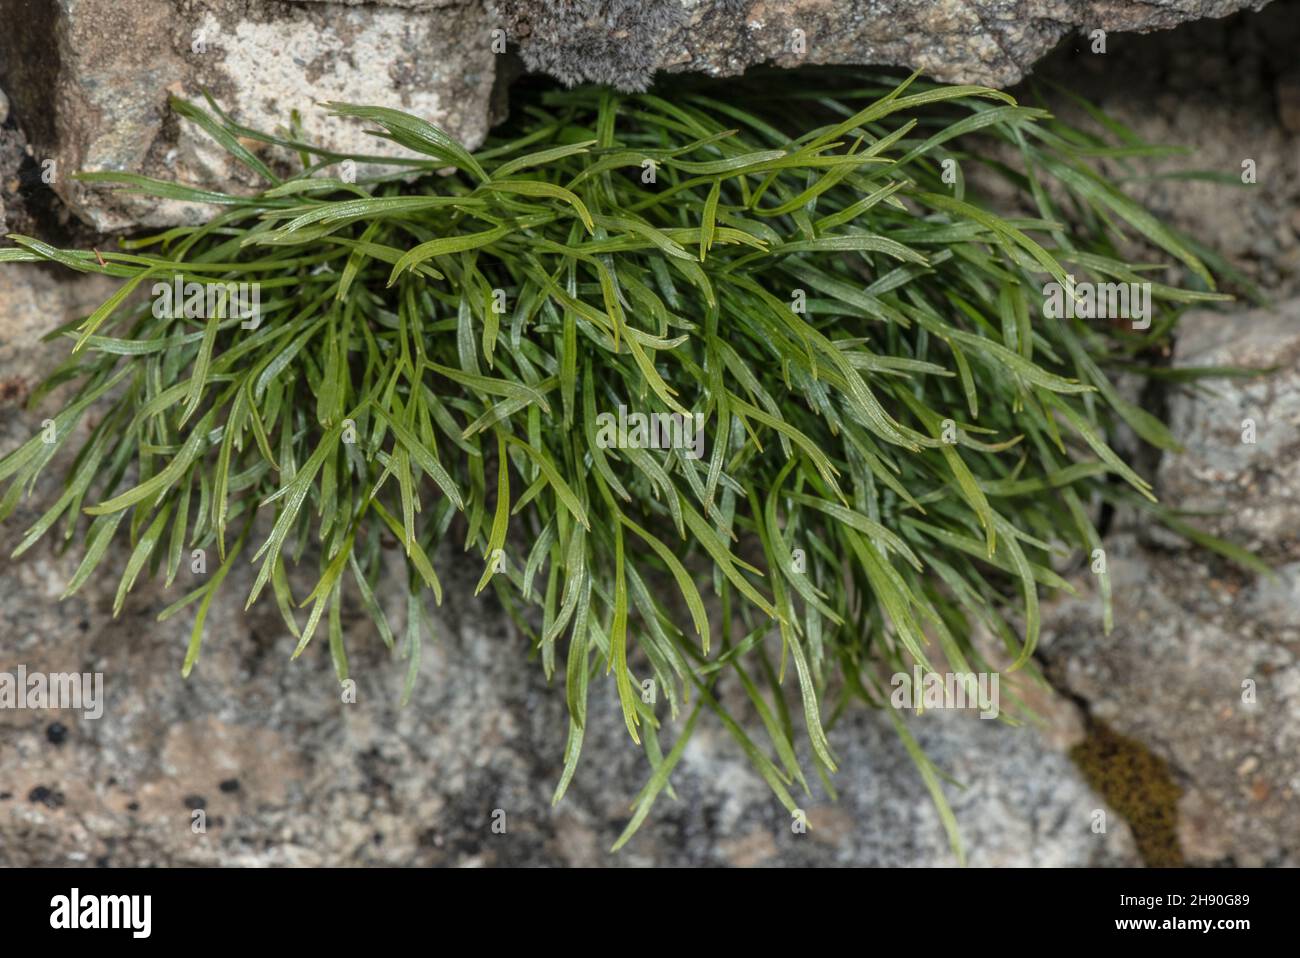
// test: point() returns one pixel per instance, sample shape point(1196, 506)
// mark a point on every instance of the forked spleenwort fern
point(899, 444)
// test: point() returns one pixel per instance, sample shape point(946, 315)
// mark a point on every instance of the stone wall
point(285, 773)
point(90, 79)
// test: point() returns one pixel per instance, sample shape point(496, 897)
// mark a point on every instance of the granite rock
point(992, 42)
point(286, 773)
point(34, 299)
point(1242, 462)
point(256, 760)
point(1203, 667)
point(90, 81)
point(1224, 91)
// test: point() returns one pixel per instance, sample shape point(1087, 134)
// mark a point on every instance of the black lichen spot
point(1138, 784)
point(41, 795)
point(195, 802)
point(133, 806)
point(56, 733)
point(229, 785)
point(12, 390)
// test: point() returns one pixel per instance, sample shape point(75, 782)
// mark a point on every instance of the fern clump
point(896, 439)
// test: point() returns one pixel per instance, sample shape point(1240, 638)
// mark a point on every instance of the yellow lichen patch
point(1137, 784)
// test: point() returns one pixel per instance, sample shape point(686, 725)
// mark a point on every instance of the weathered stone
point(1242, 463)
point(12, 154)
point(961, 41)
point(33, 300)
point(1203, 667)
point(285, 773)
point(1209, 87)
point(90, 82)
point(90, 79)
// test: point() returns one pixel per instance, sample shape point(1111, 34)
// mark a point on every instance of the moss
point(1138, 784)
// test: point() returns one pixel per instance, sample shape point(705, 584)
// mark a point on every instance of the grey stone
point(962, 41)
point(90, 79)
point(409, 4)
point(1191, 638)
point(90, 82)
point(1250, 488)
point(33, 300)
point(12, 154)
point(287, 774)
point(1208, 86)
point(319, 782)
point(1203, 666)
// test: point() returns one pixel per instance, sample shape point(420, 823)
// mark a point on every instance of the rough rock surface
point(33, 300)
point(960, 41)
point(1203, 666)
point(90, 79)
point(1229, 92)
point(1243, 435)
point(287, 774)
point(11, 158)
point(90, 82)
point(1189, 632)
